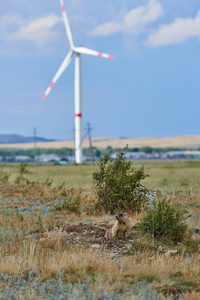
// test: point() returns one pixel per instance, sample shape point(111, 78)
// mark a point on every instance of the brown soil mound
point(93, 235)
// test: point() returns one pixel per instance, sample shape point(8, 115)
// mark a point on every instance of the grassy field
point(53, 247)
point(162, 174)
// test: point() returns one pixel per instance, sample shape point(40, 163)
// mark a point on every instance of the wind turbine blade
point(68, 30)
point(83, 50)
point(62, 68)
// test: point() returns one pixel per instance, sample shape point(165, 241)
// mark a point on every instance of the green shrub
point(22, 171)
point(70, 203)
point(117, 186)
point(164, 221)
point(4, 177)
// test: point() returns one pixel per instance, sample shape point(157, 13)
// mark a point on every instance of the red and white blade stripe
point(83, 50)
point(67, 27)
point(62, 68)
point(48, 90)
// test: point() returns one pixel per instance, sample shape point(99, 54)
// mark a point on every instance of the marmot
point(121, 227)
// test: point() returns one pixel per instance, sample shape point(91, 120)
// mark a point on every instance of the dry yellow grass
point(80, 263)
point(169, 275)
point(191, 141)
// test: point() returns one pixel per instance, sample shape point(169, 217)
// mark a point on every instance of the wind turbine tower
point(77, 51)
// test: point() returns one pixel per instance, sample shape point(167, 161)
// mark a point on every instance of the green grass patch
point(163, 174)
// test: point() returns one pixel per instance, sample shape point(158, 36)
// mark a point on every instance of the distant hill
point(188, 142)
point(16, 139)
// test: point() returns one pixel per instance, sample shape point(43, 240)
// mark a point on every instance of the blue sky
point(150, 88)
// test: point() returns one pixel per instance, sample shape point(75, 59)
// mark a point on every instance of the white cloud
point(134, 21)
point(177, 32)
point(40, 31)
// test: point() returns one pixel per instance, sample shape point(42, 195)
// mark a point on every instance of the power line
point(35, 145)
point(87, 133)
point(89, 128)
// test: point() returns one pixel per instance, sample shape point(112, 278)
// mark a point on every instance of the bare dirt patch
point(93, 235)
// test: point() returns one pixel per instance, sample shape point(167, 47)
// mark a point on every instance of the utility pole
point(90, 140)
point(35, 139)
point(81, 141)
point(74, 144)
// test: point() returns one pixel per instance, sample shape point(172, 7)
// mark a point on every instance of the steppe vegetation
point(52, 231)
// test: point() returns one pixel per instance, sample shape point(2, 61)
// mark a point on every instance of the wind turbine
point(77, 85)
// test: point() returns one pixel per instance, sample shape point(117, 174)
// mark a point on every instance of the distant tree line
point(36, 152)
point(86, 151)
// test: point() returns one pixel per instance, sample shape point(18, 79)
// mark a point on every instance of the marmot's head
point(121, 216)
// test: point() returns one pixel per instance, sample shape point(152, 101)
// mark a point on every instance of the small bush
point(22, 171)
point(4, 177)
point(70, 203)
point(164, 221)
point(117, 186)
